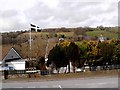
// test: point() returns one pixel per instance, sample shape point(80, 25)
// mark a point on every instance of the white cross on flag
point(34, 27)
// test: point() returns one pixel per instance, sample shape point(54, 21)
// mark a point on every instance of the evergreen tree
point(57, 56)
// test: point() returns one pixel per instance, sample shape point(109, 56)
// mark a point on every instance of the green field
point(66, 33)
point(110, 35)
point(47, 33)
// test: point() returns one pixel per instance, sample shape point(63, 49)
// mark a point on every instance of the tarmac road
point(101, 82)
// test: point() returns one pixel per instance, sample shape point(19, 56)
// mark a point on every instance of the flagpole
point(30, 43)
point(30, 36)
point(46, 58)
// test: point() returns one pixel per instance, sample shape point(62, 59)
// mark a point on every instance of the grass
point(110, 35)
point(47, 33)
point(66, 33)
point(36, 33)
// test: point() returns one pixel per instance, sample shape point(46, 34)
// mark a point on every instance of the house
point(61, 39)
point(102, 38)
point(13, 61)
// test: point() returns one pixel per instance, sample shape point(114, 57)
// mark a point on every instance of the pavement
point(98, 82)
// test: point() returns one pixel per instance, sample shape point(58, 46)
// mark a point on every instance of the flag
point(33, 29)
point(38, 30)
point(37, 27)
point(32, 25)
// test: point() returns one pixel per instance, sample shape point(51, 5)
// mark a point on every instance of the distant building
point(13, 60)
point(61, 39)
point(102, 38)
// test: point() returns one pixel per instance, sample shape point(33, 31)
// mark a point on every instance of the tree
point(105, 52)
point(64, 44)
point(101, 27)
point(41, 63)
point(83, 46)
point(92, 52)
point(57, 57)
point(116, 53)
point(61, 36)
point(72, 54)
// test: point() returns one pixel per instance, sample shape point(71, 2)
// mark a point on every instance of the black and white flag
point(32, 25)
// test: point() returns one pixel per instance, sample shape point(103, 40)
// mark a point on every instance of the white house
point(102, 38)
point(13, 60)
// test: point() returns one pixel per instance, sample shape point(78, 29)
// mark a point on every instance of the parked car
point(6, 68)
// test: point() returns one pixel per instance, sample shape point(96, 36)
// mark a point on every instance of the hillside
point(20, 40)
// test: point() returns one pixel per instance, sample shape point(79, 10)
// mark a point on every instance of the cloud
point(12, 20)
point(18, 14)
point(73, 13)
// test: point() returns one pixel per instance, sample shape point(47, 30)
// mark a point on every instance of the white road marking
point(60, 87)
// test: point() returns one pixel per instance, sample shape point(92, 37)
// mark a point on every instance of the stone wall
point(23, 76)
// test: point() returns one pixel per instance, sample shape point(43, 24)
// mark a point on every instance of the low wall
point(23, 76)
point(18, 76)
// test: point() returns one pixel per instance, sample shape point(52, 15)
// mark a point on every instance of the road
point(101, 82)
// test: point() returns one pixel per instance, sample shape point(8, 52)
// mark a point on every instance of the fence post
point(5, 74)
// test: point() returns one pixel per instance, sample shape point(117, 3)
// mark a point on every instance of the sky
point(19, 14)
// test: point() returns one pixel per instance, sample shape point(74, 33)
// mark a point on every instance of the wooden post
point(5, 74)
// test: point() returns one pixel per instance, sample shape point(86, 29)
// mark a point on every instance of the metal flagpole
point(30, 43)
point(30, 47)
point(29, 50)
point(46, 58)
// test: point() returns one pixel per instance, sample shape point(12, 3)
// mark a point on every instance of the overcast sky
point(18, 14)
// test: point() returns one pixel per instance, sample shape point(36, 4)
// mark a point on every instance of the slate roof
point(12, 54)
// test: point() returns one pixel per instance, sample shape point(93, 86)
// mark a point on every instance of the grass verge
point(93, 74)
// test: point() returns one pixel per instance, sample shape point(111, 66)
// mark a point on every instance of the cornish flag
point(34, 27)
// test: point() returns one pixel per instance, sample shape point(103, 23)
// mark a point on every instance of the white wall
point(17, 65)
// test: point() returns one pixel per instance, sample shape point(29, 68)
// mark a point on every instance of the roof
point(102, 38)
point(12, 54)
point(5, 50)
